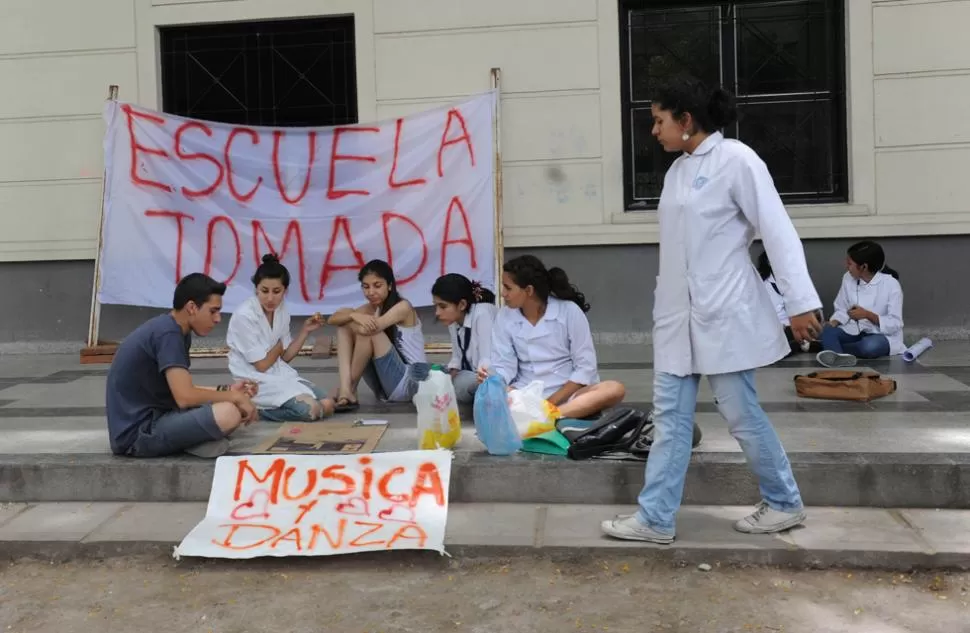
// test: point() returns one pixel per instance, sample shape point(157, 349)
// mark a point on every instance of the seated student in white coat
point(868, 318)
point(380, 341)
point(469, 311)
point(261, 348)
point(542, 334)
point(711, 313)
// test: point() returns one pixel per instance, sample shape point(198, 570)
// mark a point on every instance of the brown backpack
point(844, 385)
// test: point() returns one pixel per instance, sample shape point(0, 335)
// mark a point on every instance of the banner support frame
point(499, 235)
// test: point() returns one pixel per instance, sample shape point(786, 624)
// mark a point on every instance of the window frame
point(727, 54)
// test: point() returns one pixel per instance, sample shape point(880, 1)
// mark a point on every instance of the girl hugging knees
point(380, 341)
point(542, 334)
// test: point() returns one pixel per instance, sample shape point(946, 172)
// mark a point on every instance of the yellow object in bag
point(439, 425)
point(533, 414)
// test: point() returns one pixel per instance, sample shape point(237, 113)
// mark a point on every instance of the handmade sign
point(184, 195)
point(308, 505)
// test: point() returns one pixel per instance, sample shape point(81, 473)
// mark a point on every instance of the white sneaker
point(765, 520)
point(833, 360)
point(630, 529)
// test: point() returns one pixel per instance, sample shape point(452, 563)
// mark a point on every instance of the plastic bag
point(533, 414)
point(493, 421)
point(439, 425)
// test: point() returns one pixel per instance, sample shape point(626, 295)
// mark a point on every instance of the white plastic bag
point(438, 423)
point(533, 414)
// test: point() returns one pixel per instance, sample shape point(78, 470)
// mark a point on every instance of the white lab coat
point(882, 295)
point(711, 313)
point(777, 300)
point(480, 318)
point(250, 338)
point(557, 349)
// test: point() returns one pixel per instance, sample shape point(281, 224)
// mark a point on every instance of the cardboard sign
point(324, 438)
point(184, 195)
point(302, 505)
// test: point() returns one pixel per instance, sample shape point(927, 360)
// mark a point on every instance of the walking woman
point(711, 314)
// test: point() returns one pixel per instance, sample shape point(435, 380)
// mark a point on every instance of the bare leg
point(346, 340)
point(227, 415)
point(593, 399)
point(326, 407)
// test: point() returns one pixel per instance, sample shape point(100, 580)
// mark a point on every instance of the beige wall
point(909, 90)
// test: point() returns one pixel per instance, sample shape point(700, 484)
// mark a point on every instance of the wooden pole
point(496, 81)
point(94, 323)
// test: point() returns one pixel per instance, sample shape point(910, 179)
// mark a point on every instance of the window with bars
point(280, 73)
point(785, 62)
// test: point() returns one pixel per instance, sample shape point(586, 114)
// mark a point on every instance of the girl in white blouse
point(542, 334)
point(380, 341)
point(469, 311)
point(868, 317)
point(261, 348)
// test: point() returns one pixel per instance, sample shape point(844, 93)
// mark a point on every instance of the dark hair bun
point(721, 108)
point(271, 258)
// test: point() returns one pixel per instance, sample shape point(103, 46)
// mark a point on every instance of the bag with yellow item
point(438, 423)
point(533, 414)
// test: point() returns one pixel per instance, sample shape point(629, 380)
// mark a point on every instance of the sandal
point(345, 405)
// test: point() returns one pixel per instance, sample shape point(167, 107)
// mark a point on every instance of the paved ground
point(848, 537)
point(52, 404)
point(618, 594)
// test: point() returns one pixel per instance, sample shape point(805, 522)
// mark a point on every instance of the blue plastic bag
point(493, 420)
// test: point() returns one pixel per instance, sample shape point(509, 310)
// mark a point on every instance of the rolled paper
point(913, 352)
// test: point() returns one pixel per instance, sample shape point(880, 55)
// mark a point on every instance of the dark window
point(785, 62)
point(276, 73)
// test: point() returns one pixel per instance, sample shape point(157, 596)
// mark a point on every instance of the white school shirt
point(478, 321)
point(556, 350)
point(250, 338)
point(777, 300)
point(882, 295)
point(711, 313)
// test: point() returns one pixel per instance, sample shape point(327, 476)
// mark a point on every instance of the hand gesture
point(805, 327)
point(482, 374)
point(367, 322)
point(247, 387)
point(313, 323)
point(859, 314)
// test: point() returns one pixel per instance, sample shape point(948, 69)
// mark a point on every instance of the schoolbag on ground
point(621, 433)
point(844, 385)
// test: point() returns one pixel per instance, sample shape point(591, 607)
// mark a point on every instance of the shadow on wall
point(48, 302)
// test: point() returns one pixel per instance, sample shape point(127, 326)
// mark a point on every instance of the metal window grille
point(785, 62)
point(277, 73)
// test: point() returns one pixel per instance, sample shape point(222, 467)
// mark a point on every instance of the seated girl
point(868, 318)
point(542, 334)
point(768, 278)
point(380, 341)
point(261, 348)
point(469, 311)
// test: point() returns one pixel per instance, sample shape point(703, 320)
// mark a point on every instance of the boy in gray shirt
point(153, 407)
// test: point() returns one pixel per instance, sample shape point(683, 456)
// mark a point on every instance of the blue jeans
point(674, 403)
point(294, 409)
point(866, 345)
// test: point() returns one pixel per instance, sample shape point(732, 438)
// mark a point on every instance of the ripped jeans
point(296, 409)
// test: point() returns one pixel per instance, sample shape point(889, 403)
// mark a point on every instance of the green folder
point(549, 443)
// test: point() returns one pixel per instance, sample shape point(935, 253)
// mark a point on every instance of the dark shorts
point(385, 374)
point(173, 432)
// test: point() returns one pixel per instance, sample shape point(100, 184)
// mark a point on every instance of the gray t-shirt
point(137, 391)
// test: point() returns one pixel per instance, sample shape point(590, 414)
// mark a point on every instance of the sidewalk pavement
point(900, 540)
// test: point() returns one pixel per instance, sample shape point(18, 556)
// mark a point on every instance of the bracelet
point(222, 388)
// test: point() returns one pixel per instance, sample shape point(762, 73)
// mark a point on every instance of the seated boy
point(153, 407)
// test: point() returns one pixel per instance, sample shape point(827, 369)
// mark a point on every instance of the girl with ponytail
point(542, 334)
point(711, 314)
point(468, 309)
point(261, 348)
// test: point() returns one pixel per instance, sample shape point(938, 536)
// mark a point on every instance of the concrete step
point(882, 480)
point(900, 539)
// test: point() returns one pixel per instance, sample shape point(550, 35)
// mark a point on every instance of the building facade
point(857, 106)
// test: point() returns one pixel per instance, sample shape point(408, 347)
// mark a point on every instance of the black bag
point(617, 433)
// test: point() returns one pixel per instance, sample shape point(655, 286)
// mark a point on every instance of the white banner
point(308, 505)
point(183, 195)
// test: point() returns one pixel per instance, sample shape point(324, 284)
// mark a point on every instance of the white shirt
point(777, 300)
point(882, 295)
point(478, 321)
point(711, 313)
point(250, 338)
point(556, 350)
